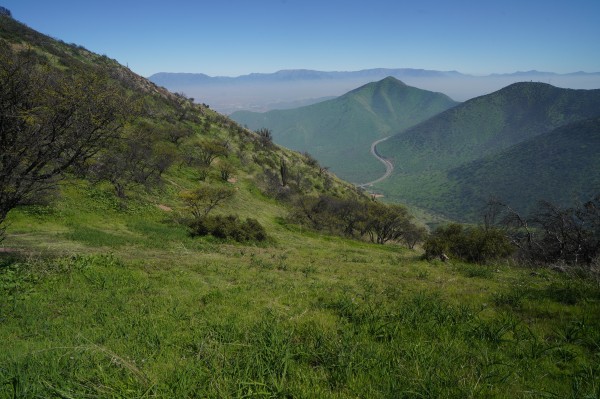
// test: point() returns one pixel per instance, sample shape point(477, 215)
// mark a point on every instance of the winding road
point(389, 166)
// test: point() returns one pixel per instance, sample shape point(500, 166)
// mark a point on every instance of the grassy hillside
point(105, 295)
point(136, 308)
point(487, 125)
point(339, 132)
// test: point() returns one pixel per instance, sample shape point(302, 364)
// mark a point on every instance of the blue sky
point(235, 37)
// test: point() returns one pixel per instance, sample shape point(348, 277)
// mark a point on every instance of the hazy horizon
point(237, 37)
point(230, 96)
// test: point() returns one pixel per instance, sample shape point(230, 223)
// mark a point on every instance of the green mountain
point(562, 166)
point(339, 132)
point(425, 154)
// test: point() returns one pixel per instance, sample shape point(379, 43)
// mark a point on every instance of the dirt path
point(389, 166)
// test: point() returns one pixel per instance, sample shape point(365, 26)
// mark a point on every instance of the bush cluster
point(476, 244)
point(228, 227)
point(378, 222)
point(552, 234)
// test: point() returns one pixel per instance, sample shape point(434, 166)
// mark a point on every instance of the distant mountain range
point(168, 78)
point(505, 144)
point(339, 132)
point(266, 91)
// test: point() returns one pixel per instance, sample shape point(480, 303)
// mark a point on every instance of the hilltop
point(339, 132)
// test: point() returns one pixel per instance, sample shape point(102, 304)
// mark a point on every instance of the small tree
point(204, 199)
point(413, 235)
point(209, 150)
point(139, 158)
point(387, 222)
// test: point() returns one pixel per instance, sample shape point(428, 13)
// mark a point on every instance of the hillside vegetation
point(559, 166)
point(485, 126)
point(116, 282)
point(339, 132)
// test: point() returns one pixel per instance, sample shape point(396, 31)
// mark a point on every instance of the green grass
point(108, 298)
point(308, 316)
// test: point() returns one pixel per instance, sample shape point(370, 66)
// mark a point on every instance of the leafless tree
point(50, 121)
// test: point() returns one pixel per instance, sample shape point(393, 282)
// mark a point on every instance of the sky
point(237, 37)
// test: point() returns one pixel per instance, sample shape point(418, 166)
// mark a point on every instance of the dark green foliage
point(379, 222)
point(387, 222)
point(475, 244)
point(438, 159)
point(336, 215)
point(228, 227)
point(529, 172)
point(414, 235)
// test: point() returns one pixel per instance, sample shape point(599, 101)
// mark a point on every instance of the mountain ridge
point(486, 125)
point(299, 74)
point(161, 77)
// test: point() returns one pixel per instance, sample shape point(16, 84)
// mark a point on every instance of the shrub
point(477, 244)
point(228, 227)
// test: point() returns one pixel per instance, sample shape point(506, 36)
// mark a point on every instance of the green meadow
point(100, 301)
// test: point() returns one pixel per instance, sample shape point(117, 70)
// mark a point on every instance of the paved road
point(389, 166)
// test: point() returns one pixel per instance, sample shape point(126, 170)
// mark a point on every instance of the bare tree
point(204, 199)
point(554, 234)
point(139, 158)
point(50, 121)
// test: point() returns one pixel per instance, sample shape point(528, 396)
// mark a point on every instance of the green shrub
point(228, 227)
point(477, 244)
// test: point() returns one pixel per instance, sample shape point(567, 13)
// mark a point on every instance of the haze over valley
point(286, 89)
